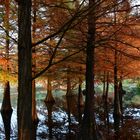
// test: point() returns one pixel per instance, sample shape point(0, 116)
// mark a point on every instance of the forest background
point(65, 44)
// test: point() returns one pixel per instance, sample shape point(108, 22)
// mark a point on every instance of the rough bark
point(24, 110)
point(89, 129)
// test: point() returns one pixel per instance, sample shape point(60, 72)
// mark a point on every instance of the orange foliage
point(3, 62)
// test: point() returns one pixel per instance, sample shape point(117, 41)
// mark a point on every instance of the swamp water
point(59, 121)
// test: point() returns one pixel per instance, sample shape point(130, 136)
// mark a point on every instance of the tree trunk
point(68, 93)
point(49, 98)
point(80, 102)
point(34, 113)
point(104, 84)
point(89, 129)
point(104, 97)
point(117, 110)
point(24, 110)
point(106, 102)
point(35, 119)
point(6, 104)
point(121, 92)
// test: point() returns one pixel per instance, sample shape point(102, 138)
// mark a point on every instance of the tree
point(24, 110)
point(59, 31)
point(34, 113)
point(6, 109)
point(89, 129)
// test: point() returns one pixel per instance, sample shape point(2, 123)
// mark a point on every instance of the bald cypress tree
point(89, 130)
point(24, 71)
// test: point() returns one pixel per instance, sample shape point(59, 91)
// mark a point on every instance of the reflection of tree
point(121, 93)
point(6, 116)
point(80, 101)
point(50, 121)
point(69, 108)
point(6, 111)
point(105, 99)
point(70, 104)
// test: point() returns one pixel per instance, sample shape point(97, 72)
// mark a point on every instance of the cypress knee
point(49, 98)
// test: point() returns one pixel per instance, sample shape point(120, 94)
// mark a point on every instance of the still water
point(59, 120)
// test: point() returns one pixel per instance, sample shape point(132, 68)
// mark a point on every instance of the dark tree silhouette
point(89, 130)
point(24, 111)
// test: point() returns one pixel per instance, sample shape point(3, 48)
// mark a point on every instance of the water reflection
point(13, 124)
point(6, 110)
point(6, 117)
point(62, 119)
point(50, 121)
point(70, 105)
